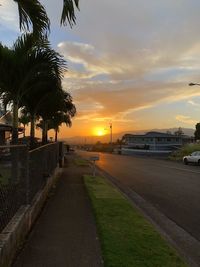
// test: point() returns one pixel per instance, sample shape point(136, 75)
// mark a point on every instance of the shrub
point(185, 150)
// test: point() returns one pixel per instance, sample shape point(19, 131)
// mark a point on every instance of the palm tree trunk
point(44, 132)
point(14, 150)
point(56, 135)
point(15, 123)
point(32, 132)
point(24, 130)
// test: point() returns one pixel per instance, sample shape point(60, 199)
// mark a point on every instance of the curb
point(187, 246)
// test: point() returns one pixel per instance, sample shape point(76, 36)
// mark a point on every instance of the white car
point(193, 158)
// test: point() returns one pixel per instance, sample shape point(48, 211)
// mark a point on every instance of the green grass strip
point(81, 162)
point(127, 238)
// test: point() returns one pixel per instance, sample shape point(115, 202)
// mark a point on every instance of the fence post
point(26, 175)
point(61, 154)
point(14, 150)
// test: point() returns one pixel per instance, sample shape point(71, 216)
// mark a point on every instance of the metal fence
point(22, 175)
point(42, 163)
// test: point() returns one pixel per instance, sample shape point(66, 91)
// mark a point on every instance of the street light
point(111, 134)
point(192, 84)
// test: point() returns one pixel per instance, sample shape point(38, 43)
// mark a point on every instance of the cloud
point(132, 57)
point(186, 119)
point(94, 62)
point(126, 68)
point(127, 57)
point(193, 103)
point(116, 99)
point(9, 15)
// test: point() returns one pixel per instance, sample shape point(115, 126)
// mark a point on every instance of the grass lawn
point(127, 239)
point(81, 162)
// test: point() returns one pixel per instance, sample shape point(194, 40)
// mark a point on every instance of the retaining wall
point(15, 232)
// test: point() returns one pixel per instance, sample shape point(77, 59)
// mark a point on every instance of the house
point(5, 132)
point(6, 128)
point(156, 141)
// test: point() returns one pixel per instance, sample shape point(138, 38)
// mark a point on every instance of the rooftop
point(154, 134)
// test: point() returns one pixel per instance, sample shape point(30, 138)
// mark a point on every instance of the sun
point(99, 132)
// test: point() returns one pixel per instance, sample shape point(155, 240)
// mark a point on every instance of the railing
point(22, 175)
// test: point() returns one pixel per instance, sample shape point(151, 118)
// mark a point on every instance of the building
point(156, 141)
point(5, 133)
point(6, 128)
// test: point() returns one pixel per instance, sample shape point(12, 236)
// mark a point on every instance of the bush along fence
point(23, 174)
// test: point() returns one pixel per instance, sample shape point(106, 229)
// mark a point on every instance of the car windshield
point(197, 153)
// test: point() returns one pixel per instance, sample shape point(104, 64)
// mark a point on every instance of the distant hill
point(106, 138)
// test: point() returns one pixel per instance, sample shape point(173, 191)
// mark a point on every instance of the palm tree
point(57, 120)
point(33, 13)
point(38, 98)
point(24, 119)
point(59, 104)
point(23, 68)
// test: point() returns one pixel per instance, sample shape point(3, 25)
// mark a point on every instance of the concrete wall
point(15, 232)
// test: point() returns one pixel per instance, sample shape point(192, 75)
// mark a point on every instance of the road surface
point(172, 188)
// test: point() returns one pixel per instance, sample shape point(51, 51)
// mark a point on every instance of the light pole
point(111, 133)
point(106, 129)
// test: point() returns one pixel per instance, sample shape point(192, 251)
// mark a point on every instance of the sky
point(129, 62)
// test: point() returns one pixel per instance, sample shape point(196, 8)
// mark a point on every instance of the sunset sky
point(129, 62)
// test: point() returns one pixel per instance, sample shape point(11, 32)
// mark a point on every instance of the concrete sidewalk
point(65, 233)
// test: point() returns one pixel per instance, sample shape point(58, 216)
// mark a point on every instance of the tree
point(58, 108)
point(32, 14)
point(179, 132)
point(25, 68)
point(24, 120)
point(57, 120)
point(197, 132)
point(39, 97)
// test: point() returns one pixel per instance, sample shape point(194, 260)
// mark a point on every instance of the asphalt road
point(173, 188)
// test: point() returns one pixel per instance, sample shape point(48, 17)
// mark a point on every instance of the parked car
point(192, 158)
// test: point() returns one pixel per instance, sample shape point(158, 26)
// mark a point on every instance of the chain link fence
point(23, 174)
point(42, 163)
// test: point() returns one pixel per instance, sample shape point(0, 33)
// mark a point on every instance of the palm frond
point(58, 119)
point(24, 119)
point(38, 61)
point(68, 13)
point(27, 41)
point(7, 69)
point(32, 14)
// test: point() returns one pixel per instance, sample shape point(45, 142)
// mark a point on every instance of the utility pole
point(111, 133)
point(110, 126)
